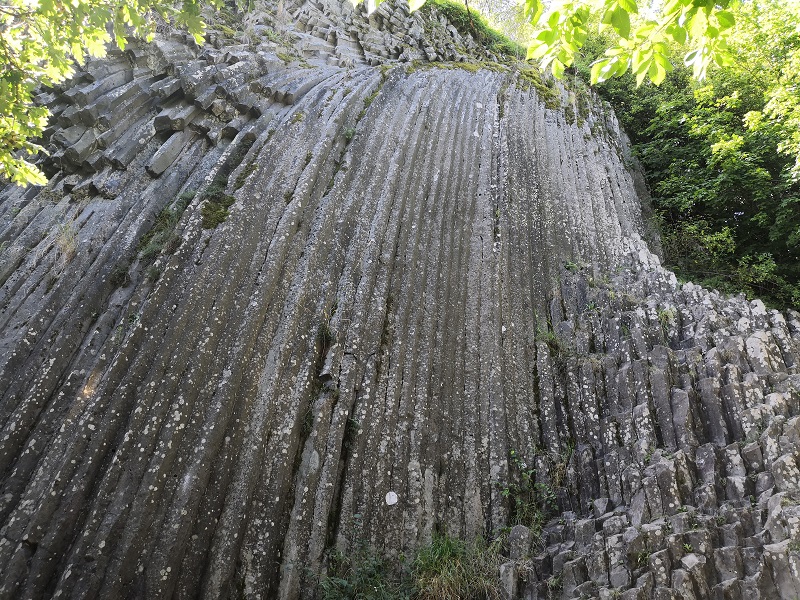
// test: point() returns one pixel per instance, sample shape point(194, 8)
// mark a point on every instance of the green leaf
point(686, 17)
point(548, 36)
point(643, 31)
point(660, 48)
point(620, 68)
point(533, 10)
point(725, 19)
point(677, 33)
point(640, 63)
point(723, 58)
point(697, 24)
point(552, 22)
point(536, 51)
point(659, 76)
point(194, 25)
point(640, 77)
point(602, 70)
point(662, 60)
point(621, 22)
point(558, 69)
point(629, 6)
point(96, 46)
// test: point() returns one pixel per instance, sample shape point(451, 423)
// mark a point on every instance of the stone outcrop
point(274, 286)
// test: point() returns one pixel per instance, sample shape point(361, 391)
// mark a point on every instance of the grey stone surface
point(422, 269)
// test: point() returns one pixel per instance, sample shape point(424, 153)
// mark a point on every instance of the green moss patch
point(215, 208)
point(531, 77)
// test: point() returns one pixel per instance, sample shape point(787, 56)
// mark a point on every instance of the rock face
point(272, 304)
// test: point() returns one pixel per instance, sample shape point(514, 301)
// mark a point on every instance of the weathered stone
point(786, 474)
point(167, 153)
point(728, 563)
point(519, 542)
point(398, 299)
point(683, 585)
point(784, 565)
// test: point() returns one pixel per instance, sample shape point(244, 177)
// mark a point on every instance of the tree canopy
point(642, 39)
point(40, 43)
point(721, 155)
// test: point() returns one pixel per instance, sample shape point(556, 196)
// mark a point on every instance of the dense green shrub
point(718, 158)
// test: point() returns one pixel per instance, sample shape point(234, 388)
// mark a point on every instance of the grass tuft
point(451, 569)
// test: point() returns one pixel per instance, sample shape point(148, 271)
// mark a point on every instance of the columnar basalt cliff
point(271, 282)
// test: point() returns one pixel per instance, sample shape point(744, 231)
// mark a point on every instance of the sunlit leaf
point(725, 19)
point(641, 63)
point(537, 51)
point(558, 69)
point(678, 33)
point(662, 60)
point(533, 10)
point(602, 70)
point(641, 77)
point(724, 58)
point(621, 22)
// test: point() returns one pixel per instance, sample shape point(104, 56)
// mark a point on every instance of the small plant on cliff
point(363, 575)
point(665, 318)
point(162, 237)
point(531, 502)
point(215, 208)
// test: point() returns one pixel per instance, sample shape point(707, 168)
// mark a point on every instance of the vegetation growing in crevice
point(216, 202)
point(241, 178)
point(374, 94)
point(532, 502)
point(530, 77)
point(470, 67)
point(362, 574)
point(215, 208)
point(162, 238)
point(120, 276)
point(445, 569)
point(451, 569)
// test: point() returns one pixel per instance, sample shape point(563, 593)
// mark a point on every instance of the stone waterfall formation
point(271, 282)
